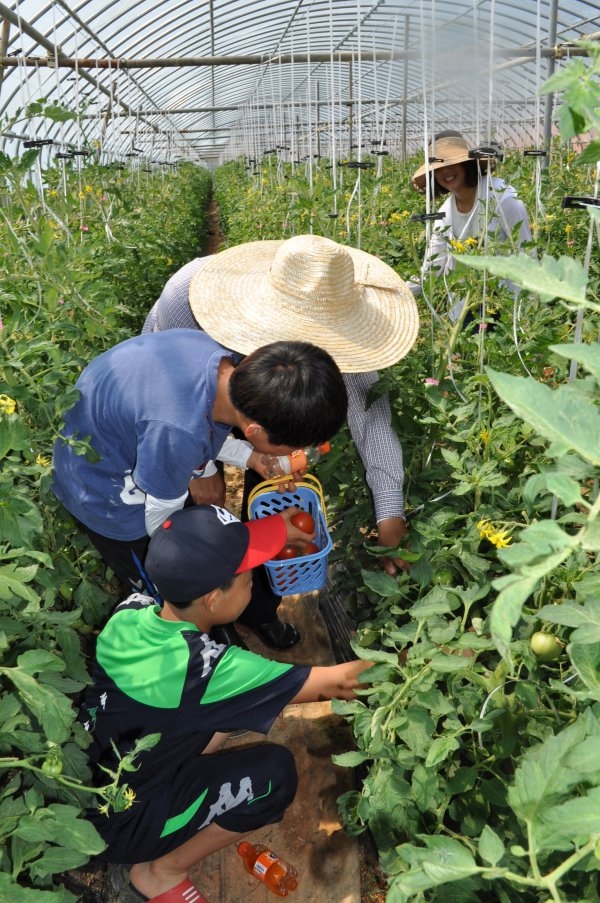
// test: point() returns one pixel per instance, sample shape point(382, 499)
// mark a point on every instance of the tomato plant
point(81, 292)
point(473, 777)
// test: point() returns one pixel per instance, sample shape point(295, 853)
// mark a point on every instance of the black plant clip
point(571, 200)
point(535, 153)
point(488, 152)
point(38, 142)
point(426, 217)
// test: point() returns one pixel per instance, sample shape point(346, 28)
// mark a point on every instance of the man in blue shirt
point(156, 408)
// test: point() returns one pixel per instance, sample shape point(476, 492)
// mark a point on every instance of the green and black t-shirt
point(157, 676)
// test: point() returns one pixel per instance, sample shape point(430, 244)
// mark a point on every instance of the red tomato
point(304, 521)
point(288, 552)
point(310, 549)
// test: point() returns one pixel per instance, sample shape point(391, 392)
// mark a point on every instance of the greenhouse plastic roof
point(209, 80)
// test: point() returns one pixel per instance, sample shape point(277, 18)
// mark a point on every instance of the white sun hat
point(307, 288)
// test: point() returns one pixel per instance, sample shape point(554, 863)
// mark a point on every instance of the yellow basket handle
point(308, 481)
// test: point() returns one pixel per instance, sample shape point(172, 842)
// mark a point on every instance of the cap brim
point(267, 539)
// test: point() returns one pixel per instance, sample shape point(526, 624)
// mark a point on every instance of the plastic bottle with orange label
point(300, 459)
point(275, 873)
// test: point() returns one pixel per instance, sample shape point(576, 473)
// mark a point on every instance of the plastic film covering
point(152, 83)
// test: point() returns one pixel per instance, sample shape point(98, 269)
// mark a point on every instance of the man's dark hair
point(294, 390)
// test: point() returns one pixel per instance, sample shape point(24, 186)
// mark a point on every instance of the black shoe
point(227, 635)
point(277, 634)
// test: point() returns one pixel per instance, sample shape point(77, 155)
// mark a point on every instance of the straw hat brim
point(420, 176)
point(232, 300)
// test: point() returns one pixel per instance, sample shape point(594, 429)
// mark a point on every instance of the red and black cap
point(200, 548)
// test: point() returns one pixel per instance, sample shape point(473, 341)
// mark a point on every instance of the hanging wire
point(334, 211)
point(593, 228)
point(387, 100)
point(309, 121)
point(359, 136)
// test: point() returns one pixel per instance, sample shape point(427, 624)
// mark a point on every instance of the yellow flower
point(42, 460)
point(53, 193)
point(499, 538)
point(470, 242)
point(385, 189)
point(456, 245)
point(129, 797)
point(88, 189)
point(568, 228)
point(484, 435)
point(7, 404)
point(484, 527)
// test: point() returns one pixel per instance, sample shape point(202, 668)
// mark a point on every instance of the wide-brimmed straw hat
point(446, 151)
point(311, 289)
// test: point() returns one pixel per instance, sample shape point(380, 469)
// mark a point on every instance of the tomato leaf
point(549, 278)
point(491, 848)
point(564, 416)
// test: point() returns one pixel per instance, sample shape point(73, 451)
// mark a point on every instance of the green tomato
point(53, 764)
point(443, 577)
point(546, 646)
point(81, 627)
point(66, 591)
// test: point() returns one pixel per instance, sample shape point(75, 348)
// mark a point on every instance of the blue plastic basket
point(307, 572)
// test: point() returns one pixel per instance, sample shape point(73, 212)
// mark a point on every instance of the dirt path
point(214, 235)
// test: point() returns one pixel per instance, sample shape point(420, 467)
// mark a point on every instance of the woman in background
point(478, 205)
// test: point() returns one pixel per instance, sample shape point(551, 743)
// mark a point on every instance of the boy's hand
point(332, 682)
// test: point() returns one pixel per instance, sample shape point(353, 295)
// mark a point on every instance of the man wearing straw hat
point(348, 302)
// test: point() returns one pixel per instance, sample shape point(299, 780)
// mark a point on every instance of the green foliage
point(477, 758)
point(83, 261)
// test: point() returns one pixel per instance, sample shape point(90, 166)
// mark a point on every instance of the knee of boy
point(284, 776)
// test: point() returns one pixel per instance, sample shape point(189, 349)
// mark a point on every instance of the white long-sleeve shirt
point(497, 203)
point(370, 427)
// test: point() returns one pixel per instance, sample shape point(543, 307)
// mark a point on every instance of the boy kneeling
point(158, 671)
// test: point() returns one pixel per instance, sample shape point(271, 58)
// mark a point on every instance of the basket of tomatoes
point(296, 570)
